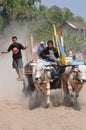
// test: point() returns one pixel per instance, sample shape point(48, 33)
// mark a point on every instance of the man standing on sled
point(17, 63)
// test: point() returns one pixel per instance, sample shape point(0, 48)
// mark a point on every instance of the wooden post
point(26, 44)
point(32, 46)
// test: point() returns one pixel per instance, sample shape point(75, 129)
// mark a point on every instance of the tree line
point(38, 15)
point(34, 12)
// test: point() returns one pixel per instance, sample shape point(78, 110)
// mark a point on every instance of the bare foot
point(20, 79)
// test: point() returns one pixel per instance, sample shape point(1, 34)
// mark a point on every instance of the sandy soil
point(16, 115)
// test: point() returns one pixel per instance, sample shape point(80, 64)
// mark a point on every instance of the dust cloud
point(10, 88)
point(82, 96)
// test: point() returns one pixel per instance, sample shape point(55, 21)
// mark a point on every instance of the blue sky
point(78, 7)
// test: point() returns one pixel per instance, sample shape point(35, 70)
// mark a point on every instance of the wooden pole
point(32, 46)
point(27, 58)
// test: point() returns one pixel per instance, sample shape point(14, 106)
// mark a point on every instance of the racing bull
point(42, 79)
point(73, 79)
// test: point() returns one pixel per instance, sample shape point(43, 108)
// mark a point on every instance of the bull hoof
point(47, 105)
point(72, 102)
point(76, 107)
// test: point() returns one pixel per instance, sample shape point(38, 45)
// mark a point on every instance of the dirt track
point(16, 115)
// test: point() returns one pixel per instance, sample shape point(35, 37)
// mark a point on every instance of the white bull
point(37, 78)
point(73, 80)
point(42, 79)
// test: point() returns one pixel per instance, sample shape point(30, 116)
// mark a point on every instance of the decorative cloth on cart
point(77, 63)
point(45, 63)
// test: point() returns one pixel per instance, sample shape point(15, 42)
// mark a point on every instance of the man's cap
point(42, 42)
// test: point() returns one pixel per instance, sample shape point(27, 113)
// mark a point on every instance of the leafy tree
point(19, 8)
point(67, 14)
point(73, 41)
point(1, 23)
point(78, 18)
point(55, 15)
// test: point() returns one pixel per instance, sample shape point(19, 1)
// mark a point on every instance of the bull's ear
point(76, 68)
point(79, 71)
point(45, 68)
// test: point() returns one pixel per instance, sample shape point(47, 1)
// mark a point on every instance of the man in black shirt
point(17, 63)
point(49, 53)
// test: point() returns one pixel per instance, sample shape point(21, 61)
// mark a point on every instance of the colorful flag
point(63, 56)
point(56, 39)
